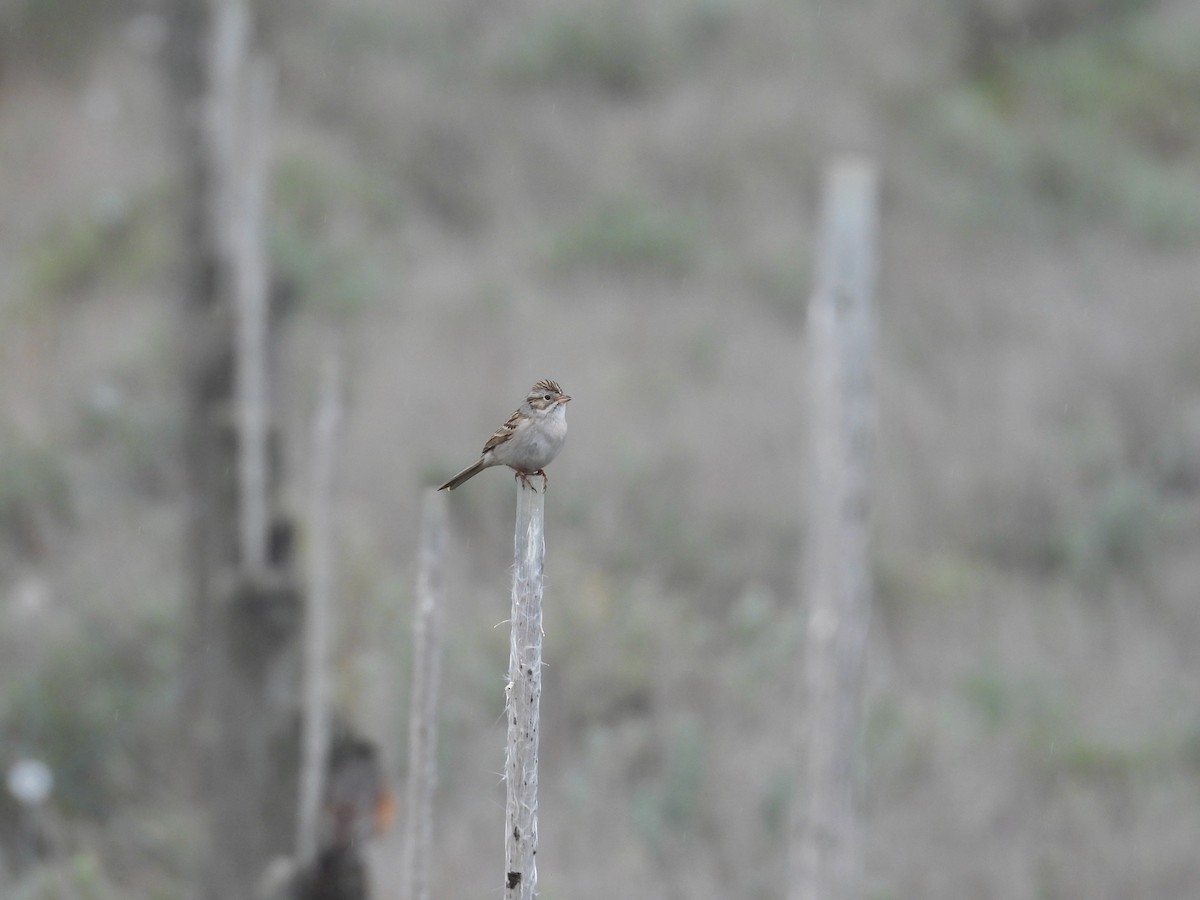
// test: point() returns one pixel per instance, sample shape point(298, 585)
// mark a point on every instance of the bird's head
point(546, 396)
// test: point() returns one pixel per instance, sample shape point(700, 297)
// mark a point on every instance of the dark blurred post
point(242, 666)
point(524, 698)
point(827, 846)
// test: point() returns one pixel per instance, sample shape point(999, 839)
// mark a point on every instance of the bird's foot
point(525, 479)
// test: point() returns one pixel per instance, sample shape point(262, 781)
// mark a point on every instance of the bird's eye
point(547, 397)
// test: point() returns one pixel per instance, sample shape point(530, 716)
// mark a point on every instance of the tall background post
point(318, 627)
point(827, 846)
point(524, 692)
point(243, 592)
point(422, 729)
point(247, 234)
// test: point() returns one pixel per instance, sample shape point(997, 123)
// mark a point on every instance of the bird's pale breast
point(535, 445)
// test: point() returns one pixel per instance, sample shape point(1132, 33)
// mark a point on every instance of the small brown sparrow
point(528, 441)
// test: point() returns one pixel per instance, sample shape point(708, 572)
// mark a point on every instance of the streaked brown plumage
point(528, 441)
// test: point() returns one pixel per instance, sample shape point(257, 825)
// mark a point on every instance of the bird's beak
point(564, 399)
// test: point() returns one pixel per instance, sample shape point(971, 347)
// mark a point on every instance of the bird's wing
point(504, 432)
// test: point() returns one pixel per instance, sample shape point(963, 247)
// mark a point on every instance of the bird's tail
point(465, 475)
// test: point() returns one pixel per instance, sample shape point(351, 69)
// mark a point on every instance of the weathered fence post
point(242, 590)
point(826, 847)
point(422, 723)
point(318, 627)
point(247, 235)
point(524, 692)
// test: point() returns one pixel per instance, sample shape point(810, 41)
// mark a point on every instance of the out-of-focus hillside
point(619, 196)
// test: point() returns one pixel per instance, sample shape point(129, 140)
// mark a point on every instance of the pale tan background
point(621, 196)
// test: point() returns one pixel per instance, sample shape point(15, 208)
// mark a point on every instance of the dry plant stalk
point(247, 229)
point(318, 626)
point(524, 694)
point(422, 726)
point(238, 125)
point(826, 846)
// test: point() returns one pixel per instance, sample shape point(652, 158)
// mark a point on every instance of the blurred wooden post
point(422, 727)
point(524, 692)
point(318, 627)
point(247, 232)
point(241, 665)
point(827, 848)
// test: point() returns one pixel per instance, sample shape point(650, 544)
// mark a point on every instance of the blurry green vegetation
point(134, 432)
point(607, 45)
point(628, 233)
point(1090, 528)
point(784, 284)
point(1061, 748)
point(606, 651)
point(95, 706)
point(703, 353)
point(896, 750)
point(441, 162)
point(311, 256)
point(1092, 760)
point(1102, 124)
point(84, 873)
point(670, 802)
point(624, 49)
point(1045, 728)
point(673, 626)
point(323, 278)
point(311, 194)
point(939, 583)
point(1116, 532)
point(775, 803)
point(1002, 700)
point(654, 494)
point(683, 787)
point(118, 237)
point(646, 676)
point(1137, 77)
point(1018, 522)
point(35, 490)
point(347, 37)
point(361, 30)
point(56, 35)
point(1176, 456)
point(1189, 749)
point(767, 634)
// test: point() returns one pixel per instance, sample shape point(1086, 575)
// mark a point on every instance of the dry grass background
point(621, 196)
